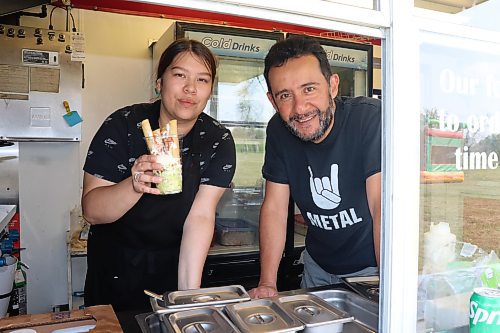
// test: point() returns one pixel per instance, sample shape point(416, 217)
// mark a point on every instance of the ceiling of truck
point(12, 6)
point(447, 6)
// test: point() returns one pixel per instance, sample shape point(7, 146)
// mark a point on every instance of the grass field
point(250, 144)
point(248, 169)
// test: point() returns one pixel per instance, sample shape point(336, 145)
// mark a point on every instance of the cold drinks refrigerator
point(239, 102)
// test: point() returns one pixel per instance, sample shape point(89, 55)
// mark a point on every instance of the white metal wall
point(48, 189)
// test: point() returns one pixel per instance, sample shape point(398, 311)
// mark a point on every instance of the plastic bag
point(443, 297)
point(78, 231)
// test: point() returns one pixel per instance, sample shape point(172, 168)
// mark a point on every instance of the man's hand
point(263, 291)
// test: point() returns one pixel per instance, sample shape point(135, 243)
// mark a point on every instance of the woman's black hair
point(187, 45)
point(295, 47)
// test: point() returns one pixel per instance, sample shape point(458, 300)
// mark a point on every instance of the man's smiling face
point(303, 97)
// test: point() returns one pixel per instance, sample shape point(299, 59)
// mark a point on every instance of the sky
point(484, 15)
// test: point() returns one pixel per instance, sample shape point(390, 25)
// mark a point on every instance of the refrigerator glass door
point(353, 82)
point(240, 103)
point(240, 92)
point(352, 62)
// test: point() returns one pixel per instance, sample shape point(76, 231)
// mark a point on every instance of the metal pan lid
point(312, 310)
point(201, 320)
point(366, 286)
point(206, 296)
point(159, 307)
point(262, 315)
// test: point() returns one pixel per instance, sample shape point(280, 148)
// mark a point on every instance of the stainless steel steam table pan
point(207, 319)
point(195, 298)
point(317, 315)
point(364, 311)
point(262, 315)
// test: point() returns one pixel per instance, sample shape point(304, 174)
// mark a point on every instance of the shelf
point(77, 253)
point(217, 249)
point(6, 213)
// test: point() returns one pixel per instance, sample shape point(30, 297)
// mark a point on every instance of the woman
point(140, 239)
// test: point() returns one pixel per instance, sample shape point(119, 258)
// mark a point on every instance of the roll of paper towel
point(439, 248)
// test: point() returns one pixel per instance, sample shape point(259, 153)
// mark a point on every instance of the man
point(326, 152)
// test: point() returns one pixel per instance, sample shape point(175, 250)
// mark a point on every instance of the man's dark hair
point(295, 47)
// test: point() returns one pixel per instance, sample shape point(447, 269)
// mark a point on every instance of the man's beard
point(325, 119)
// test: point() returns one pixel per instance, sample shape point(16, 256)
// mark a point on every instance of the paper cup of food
point(171, 175)
point(165, 144)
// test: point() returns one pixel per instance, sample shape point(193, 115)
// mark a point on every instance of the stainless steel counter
point(364, 311)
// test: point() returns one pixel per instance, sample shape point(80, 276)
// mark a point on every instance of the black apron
point(141, 250)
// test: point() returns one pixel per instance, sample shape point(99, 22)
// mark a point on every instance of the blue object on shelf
point(13, 235)
point(71, 117)
point(6, 246)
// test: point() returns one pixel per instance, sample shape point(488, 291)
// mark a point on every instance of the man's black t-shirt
point(328, 182)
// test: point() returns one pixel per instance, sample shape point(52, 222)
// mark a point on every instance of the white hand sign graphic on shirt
point(325, 191)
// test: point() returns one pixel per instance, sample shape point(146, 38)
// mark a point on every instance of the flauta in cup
point(164, 143)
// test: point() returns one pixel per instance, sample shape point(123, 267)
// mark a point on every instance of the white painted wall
point(118, 72)
point(118, 67)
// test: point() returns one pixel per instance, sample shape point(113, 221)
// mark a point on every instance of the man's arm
point(373, 193)
point(272, 235)
point(197, 236)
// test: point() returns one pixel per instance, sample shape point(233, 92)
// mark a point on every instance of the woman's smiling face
point(185, 87)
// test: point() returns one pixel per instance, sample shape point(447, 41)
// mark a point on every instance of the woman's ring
point(136, 176)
